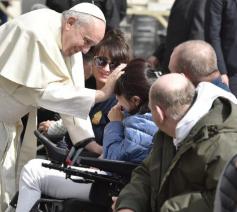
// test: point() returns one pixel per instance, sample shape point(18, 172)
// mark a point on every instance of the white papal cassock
point(34, 73)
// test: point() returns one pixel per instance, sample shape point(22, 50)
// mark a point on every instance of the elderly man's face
point(76, 38)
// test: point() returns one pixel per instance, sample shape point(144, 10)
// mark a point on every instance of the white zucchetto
point(90, 9)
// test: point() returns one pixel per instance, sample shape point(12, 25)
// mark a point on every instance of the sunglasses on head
point(101, 62)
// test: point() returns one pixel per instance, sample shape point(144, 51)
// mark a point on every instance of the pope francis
point(41, 66)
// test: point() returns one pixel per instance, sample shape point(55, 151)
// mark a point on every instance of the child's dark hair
point(136, 81)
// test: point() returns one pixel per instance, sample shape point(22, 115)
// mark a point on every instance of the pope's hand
point(107, 90)
point(109, 86)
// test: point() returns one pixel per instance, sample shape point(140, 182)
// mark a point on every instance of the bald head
point(196, 59)
point(170, 82)
point(173, 93)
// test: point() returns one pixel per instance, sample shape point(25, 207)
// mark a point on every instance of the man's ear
point(160, 113)
point(70, 22)
point(136, 100)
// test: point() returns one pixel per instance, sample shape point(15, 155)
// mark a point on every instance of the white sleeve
point(67, 99)
point(78, 129)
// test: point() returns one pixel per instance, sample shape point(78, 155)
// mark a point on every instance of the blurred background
point(144, 25)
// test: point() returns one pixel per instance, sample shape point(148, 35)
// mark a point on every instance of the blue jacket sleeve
point(112, 145)
point(130, 140)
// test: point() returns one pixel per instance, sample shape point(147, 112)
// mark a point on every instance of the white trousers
point(36, 179)
point(8, 154)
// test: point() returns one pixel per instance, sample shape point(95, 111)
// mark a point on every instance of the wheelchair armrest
point(55, 154)
point(60, 155)
point(123, 168)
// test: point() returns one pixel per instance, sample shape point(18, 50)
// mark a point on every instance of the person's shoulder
point(38, 12)
point(138, 116)
point(36, 17)
point(45, 13)
point(143, 122)
point(142, 117)
point(41, 24)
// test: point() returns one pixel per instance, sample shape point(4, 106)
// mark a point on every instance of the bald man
point(41, 66)
point(197, 135)
point(197, 60)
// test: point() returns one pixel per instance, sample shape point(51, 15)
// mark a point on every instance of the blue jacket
point(218, 82)
point(130, 139)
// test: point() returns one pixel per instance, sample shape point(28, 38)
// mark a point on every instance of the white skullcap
point(90, 9)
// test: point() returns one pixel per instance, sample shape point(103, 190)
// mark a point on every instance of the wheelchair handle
point(60, 155)
point(93, 176)
point(119, 167)
point(55, 154)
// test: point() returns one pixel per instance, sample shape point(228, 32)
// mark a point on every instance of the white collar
point(206, 95)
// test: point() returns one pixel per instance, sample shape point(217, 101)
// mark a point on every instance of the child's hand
point(116, 113)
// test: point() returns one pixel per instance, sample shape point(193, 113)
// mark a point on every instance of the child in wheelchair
point(127, 137)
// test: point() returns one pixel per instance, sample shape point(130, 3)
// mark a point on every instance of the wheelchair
point(103, 186)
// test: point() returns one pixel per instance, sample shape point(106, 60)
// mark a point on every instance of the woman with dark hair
point(108, 54)
point(129, 134)
point(127, 137)
point(99, 62)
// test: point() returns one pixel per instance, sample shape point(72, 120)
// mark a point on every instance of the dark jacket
point(99, 112)
point(185, 179)
point(186, 22)
point(221, 33)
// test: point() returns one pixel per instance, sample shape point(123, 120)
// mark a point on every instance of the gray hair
point(197, 57)
point(174, 101)
point(82, 18)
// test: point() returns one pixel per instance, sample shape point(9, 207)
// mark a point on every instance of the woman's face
point(102, 67)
